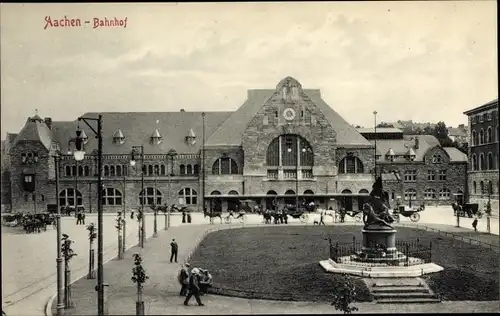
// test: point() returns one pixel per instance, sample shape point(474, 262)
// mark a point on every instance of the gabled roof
point(390, 152)
point(137, 127)
point(456, 131)
point(35, 130)
point(455, 154)
point(230, 133)
point(410, 152)
point(191, 133)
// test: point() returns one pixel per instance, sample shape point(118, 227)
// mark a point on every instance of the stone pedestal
point(384, 236)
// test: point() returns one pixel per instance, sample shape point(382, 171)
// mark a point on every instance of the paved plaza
point(28, 261)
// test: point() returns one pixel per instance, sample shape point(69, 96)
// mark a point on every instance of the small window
point(276, 114)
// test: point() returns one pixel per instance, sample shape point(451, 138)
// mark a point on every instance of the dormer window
point(436, 159)
point(156, 137)
point(118, 137)
point(29, 158)
point(390, 155)
point(411, 154)
point(191, 138)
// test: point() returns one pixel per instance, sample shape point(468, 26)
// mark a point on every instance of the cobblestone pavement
point(28, 272)
point(161, 290)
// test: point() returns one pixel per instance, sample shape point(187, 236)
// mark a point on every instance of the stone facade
point(483, 138)
point(241, 139)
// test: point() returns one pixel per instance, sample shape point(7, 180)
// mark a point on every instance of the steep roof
point(137, 128)
point(380, 130)
point(230, 133)
point(400, 147)
point(456, 131)
point(455, 154)
point(35, 130)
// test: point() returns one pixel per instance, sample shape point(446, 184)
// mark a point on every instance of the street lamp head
point(79, 155)
point(289, 150)
point(132, 163)
point(374, 112)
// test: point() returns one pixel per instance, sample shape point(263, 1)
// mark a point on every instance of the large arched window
point(189, 169)
point(444, 194)
point(182, 170)
point(482, 162)
point(430, 194)
point(491, 162)
point(474, 162)
point(150, 197)
point(189, 195)
point(411, 194)
point(111, 196)
point(489, 136)
point(67, 197)
point(292, 153)
point(285, 150)
point(351, 164)
point(474, 138)
point(225, 165)
point(481, 137)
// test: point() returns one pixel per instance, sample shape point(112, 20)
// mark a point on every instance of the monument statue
point(376, 212)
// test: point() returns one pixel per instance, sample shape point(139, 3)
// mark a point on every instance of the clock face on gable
point(289, 114)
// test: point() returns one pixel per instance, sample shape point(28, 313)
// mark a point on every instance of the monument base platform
point(381, 270)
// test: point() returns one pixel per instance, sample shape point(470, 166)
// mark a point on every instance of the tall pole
point(203, 165)
point(124, 211)
point(143, 221)
point(59, 260)
point(297, 177)
point(375, 150)
point(76, 187)
point(155, 226)
point(100, 277)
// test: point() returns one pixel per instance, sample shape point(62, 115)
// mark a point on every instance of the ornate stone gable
point(289, 111)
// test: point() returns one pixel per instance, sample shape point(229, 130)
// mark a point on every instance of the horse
point(317, 215)
point(212, 214)
point(268, 216)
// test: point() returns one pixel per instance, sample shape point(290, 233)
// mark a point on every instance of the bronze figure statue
point(376, 212)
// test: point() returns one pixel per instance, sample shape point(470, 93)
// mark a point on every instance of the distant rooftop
point(379, 130)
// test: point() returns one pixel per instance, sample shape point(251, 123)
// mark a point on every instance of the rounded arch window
point(410, 194)
point(429, 194)
point(289, 150)
point(271, 192)
point(491, 162)
point(189, 195)
point(474, 138)
point(215, 193)
point(111, 196)
point(225, 165)
point(444, 194)
point(233, 192)
point(69, 196)
point(308, 192)
point(474, 187)
point(150, 196)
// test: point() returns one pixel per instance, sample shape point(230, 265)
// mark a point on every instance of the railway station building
point(282, 144)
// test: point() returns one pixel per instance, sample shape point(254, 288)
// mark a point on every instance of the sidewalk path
point(162, 289)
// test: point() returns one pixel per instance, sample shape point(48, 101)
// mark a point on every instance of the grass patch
point(283, 262)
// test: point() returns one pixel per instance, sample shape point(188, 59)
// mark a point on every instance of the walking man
point(321, 217)
point(474, 224)
point(174, 248)
point(184, 279)
point(194, 287)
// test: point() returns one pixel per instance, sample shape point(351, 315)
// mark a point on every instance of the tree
point(384, 124)
point(344, 295)
point(441, 133)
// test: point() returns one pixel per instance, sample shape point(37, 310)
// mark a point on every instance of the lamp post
point(124, 244)
point(142, 229)
point(375, 149)
point(155, 210)
point(59, 260)
point(203, 167)
point(79, 154)
point(171, 155)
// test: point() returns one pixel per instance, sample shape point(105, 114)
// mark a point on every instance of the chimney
point(416, 142)
point(182, 110)
point(48, 122)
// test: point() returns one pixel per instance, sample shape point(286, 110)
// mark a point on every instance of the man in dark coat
point(184, 279)
point(194, 287)
point(174, 248)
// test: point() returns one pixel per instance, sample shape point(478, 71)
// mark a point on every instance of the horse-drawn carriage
point(467, 209)
point(356, 214)
point(407, 211)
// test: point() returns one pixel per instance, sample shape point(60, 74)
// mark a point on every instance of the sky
point(425, 61)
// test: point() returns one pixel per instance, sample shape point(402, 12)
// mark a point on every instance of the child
point(474, 224)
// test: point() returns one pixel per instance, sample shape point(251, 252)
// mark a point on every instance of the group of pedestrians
point(194, 282)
